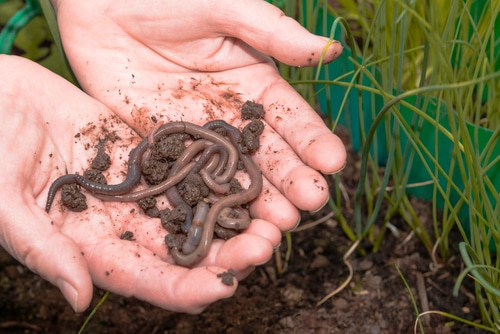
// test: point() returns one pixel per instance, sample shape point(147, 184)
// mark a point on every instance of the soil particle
point(148, 205)
point(153, 212)
point(155, 171)
point(227, 277)
point(250, 136)
point(292, 295)
point(127, 235)
point(320, 261)
point(73, 198)
point(252, 110)
point(194, 189)
point(169, 148)
point(95, 175)
point(102, 161)
point(162, 154)
point(171, 220)
point(175, 241)
point(234, 187)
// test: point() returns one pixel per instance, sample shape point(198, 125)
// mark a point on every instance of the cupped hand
point(50, 128)
point(201, 60)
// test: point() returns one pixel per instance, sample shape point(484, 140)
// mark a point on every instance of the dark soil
point(273, 300)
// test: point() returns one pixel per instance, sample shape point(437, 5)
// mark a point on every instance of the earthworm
point(152, 190)
point(134, 162)
point(222, 170)
point(133, 177)
point(233, 133)
point(232, 200)
point(210, 135)
point(173, 195)
point(205, 172)
point(131, 180)
point(212, 185)
point(227, 218)
point(182, 170)
point(211, 151)
point(196, 229)
point(151, 139)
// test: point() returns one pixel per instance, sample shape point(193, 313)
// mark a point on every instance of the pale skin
point(156, 60)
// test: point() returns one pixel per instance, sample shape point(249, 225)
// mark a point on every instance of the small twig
point(422, 295)
point(453, 317)
point(436, 286)
point(345, 195)
point(280, 265)
point(315, 222)
point(10, 324)
point(435, 263)
point(409, 185)
point(345, 259)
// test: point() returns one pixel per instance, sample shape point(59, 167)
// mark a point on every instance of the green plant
point(422, 71)
point(457, 76)
point(464, 42)
point(28, 33)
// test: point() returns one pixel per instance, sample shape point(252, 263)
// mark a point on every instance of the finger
point(128, 269)
point(272, 206)
point(30, 236)
point(240, 253)
point(149, 232)
point(301, 127)
point(266, 28)
point(303, 186)
point(146, 231)
point(131, 269)
point(266, 230)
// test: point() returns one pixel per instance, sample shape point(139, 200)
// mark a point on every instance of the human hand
point(200, 60)
point(50, 128)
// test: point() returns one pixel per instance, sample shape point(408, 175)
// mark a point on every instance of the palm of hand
point(161, 63)
point(200, 61)
point(50, 136)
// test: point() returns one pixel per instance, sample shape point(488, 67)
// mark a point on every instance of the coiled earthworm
point(134, 172)
point(171, 181)
point(233, 218)
point(212, 185)
point(205, 133)
point(211, 151)
point(173, 195)
point(232, 200)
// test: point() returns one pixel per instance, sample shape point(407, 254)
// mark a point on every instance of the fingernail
point(322, 206)
point(337, 171)
point(335, 54)
point(296, 225)
point(70, 293)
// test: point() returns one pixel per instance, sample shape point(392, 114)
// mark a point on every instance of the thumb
point(29, 235)
point(267, 29)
